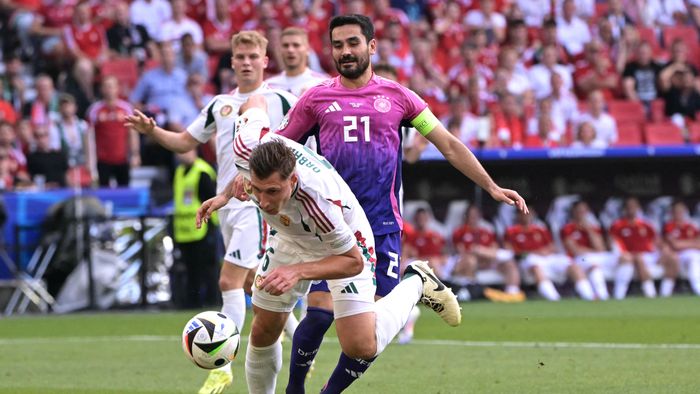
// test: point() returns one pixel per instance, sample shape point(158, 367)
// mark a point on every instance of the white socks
point(648, 289)
point(291, 325)
point(666, 288)
point(512, 289)
point(694, 275)
point(392, 312)
point(262, 364)
point(597, 279)
point(584, 289)
point(234, 308)
point(547, 290)
point(623, 277)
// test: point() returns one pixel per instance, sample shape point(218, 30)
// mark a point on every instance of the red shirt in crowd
point(90, 39)
point(467, 236)
point(572, 231)
point(526, 239)
point(633, 236)
point(111, 136)
point(427, 243)
point(681, 231)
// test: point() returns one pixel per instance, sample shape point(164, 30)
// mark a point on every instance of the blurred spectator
point(189, 107)
point(635, 235)
point(683, 237)
point(548, 37)
point(663, 12)
point(175, 28)
point(451, 32)
point(533, 246)
point(564, 104)
point(428, 244)
point(487, 51)
point(218, 29)
point(515, 75)
point(192, 59)
point(151, 14)
point(80, 84)
point(542, 131)
point(47, 166)
point(466, 124)
point(679, 59)
point(486, 18)
point(541, 74)
point(586, 137)
point(385, 13)
point(25, 136)
point(13, 163)
point(572, 31)
point(584, 9)
point(627, 48)
point(535, 11)
point(583, 240)
point(44, 107)
point(385, 55)
point(601, 77)
point(85, 38)
point(424, 64)
point(69, 134)
point(116, 146)
point(517, 39)
point(7, 112)
point(640, 75)
point(48, 26)
point(461, 72)
point(16, 82)
point(478, 249)
point(604, 124)
point(128, 39)
point(681, 96)
point(618, 17)
point(158, 88)
point(509, 122)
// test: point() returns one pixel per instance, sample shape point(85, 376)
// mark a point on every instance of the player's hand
point(239, 188)
point(208, 207)
point(280, 280)
point(510, 197)
point(140, 122)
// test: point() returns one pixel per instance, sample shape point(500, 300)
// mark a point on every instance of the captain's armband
point(425, 122)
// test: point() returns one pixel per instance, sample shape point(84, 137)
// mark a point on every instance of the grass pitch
point(631, 346)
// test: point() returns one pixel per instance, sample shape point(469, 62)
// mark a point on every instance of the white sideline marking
point(419, 342)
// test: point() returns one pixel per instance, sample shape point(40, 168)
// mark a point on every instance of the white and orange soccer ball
point(211, 340)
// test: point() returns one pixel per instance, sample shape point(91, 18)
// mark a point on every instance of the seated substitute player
point(532, 244)
point(478, 249)
point(428, 244)
point(684, 238)
point(584, 242)
point(633, 234)
point(319, 232)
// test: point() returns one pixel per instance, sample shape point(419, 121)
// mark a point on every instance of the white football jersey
point(219, 117)
point(298, 84)
point(323, 217)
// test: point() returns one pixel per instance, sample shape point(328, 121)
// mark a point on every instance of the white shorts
point(244, 235)
point(554, 266)
point(685, 257)
point(603, 260)
point(351, 296)
point(650, 259)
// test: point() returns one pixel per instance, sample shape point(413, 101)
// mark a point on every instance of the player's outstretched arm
point(464, 160)
point(172, 141)
point(208, 207)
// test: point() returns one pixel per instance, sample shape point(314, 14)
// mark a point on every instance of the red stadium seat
point(125, 69)
point(694, 132)
point(658, 111)
point(649, 35)
point(685, 33)
point(665, 133)
point(626, 110)
point(628, 134)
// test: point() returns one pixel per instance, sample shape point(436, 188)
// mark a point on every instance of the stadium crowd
point(500, 73)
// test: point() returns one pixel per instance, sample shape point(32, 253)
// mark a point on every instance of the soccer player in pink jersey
point(356, 120)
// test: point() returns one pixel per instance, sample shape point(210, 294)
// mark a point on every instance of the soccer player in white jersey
point(319, 231)
point(241, 224)
point(297, 76)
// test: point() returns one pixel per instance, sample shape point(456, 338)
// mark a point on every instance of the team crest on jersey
point(226, 110)
point(284, 219)
point(258, 281)
point(382, 104)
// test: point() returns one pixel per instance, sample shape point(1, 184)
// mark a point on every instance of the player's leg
point(534, 264)
point(309, 335)
point(591, 264)
point(363, 335)
point(562, 263)
point(624, 271)
point(243, 234)
point(642, 262)
point(505, 264)
point(690, 261)
point(669, 260)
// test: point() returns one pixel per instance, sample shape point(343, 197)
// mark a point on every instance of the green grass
point(495, 350)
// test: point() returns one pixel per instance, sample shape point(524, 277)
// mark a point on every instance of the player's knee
point(262, 335)
point(363, 351)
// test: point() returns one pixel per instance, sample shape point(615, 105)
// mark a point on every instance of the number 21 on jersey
point(351, 132)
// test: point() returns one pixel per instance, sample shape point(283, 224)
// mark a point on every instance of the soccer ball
point(211, 340)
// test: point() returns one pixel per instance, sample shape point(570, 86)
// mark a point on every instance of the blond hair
point(296, 31)
point(249, 37)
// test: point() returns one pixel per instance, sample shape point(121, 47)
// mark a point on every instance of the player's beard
point(356, 72)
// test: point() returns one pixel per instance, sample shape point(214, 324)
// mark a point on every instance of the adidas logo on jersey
point(333, 107)
point(350, 289)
